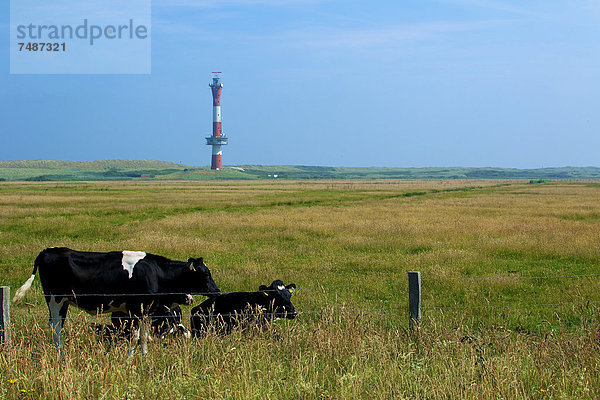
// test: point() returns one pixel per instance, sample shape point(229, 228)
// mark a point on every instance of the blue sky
point(331, 82)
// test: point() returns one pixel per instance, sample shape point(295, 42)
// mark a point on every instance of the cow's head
point(280, 299)
point(200, 279)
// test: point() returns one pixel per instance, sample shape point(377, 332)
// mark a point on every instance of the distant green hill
point(312, 172)
point(91, 165)
point(52, 170)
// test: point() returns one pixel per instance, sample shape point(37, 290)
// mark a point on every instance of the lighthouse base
point(217, 162)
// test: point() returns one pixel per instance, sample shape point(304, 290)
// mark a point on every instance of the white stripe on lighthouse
point(217, 114)
point(216, 150)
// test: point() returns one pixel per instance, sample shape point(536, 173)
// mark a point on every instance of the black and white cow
point(228, 310)
point(129, 281)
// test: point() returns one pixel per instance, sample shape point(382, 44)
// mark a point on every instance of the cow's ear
point(291, 287)
point(264, 290)
point(191, 261)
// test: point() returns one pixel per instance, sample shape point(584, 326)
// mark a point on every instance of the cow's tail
point(23, 289)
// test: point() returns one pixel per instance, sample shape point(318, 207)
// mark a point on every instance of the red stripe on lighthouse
point(217, 132)
point(216, 92)
point(217, 162)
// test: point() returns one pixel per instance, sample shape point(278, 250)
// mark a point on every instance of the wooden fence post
point(5, 315)
point(414, 299)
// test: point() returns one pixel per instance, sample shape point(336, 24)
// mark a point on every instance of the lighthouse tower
point(217, 139)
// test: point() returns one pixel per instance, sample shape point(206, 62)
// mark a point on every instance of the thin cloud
point(329, 37)
point(493, 5)
point(229, 3)
point(543, 10)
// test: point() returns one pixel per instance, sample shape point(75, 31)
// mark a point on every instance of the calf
point(227, 310)
point(164, 322)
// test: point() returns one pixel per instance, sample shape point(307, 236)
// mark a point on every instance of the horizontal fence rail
point(383, 311)
point(320, 287)
point(512, 305)
point(516, 277)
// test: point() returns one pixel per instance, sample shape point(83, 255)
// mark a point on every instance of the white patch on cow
point(130, 258)
point(280, 287)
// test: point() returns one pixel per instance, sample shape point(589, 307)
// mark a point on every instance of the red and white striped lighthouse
point(217, 139)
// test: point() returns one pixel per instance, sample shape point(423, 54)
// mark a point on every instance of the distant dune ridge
point(96, 164)
point(99, 170)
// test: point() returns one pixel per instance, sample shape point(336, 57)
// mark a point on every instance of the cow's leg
point(133, 339)
point(58, 313)
point(144, 335)
point(139, 334)
point(139, 312)
point(133, 333)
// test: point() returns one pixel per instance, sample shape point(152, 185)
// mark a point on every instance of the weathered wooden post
point(4, 315)
point(414, 299)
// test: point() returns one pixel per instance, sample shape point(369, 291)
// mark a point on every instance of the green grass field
point(348, 246)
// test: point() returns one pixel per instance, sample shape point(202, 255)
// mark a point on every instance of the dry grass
point(347, 245)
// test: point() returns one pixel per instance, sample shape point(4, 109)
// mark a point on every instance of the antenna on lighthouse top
point(216, 80)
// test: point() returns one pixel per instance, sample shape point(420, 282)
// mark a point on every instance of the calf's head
point(280, 299)
point(200, 279)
